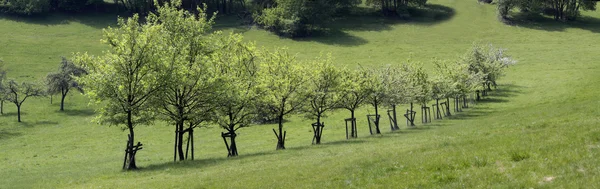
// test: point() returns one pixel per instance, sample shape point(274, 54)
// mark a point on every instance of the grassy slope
point(545, 113)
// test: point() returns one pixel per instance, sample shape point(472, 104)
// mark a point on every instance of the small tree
point(354, 91)
point(62, 81)
point(123, 82)
point(285, 84)
point(377, 94)
point(394, 83)
point(442, 87)
point(237, 64)
point(417, 89)
point(17, 93)
point(323, 93)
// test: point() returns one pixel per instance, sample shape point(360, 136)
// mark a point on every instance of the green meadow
point(538, 129)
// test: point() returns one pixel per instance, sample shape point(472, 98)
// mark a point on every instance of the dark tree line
point(559, 9)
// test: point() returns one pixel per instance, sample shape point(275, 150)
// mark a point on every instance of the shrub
point(74, 5)
point(26, 7)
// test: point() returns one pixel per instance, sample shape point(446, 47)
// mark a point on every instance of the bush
point(297, 18)
point(74, 5)
point(25, 7)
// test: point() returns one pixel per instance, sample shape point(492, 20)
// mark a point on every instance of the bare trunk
point(19, 112)
point(62, 102)
point(130, 153)
point(180, 135)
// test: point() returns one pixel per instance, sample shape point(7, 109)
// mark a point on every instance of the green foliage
point(559, 9)
point(237, 62)
point(418, 87)
point(285, 84)
point(189, 93)
point(298, 18)
point(395, 7)
point(74, 5)
point(443, 82)
point(395, 85)
point(25, 7)
point(323, 88)
point(123, 81)
point(487, 62)
point(354, 89)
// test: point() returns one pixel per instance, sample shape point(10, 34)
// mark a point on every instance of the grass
point(537, 130)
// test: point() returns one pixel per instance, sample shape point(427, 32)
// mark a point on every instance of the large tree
point(285, 82)
point(63, 81)
point(238, 65)
point(188, 96)
point(17, 93)
point(323, 93)
point(123, 81)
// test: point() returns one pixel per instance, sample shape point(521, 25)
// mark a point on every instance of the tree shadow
point(5, 134)
point(37, 123)
point(431, 14)
point(369, 19)
point(82, 113)
point(360, 18)
point(546, 23)
point(200, 163)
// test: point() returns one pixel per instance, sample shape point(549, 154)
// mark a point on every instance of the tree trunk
point(131, 165)
point(437, 109)
point(395, 118)
point(412, 118)
point(1, 106)
point(62, 102)
point(448, 106)
point(354, 130)
point(280, 136)
point(377, 131)
point(19, 112)
point(233, 146)
point(180, 135)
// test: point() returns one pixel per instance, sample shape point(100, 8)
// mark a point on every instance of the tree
point(193, 86)
point(392, 7)
point(299, 18)
point(377, 94)
point(444, 86)
point(560, 9)
point(284, 80)
point(62, 81)
point(17, 93)
point(417, 89)
point(238, 65)
point(487, 62)
point(394, 82)
point(123, 82)
point(323, 93)
point(353, 93)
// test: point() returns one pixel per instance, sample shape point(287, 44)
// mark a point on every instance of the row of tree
point(171, 67)
point(560, 9)
point(60, 82)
